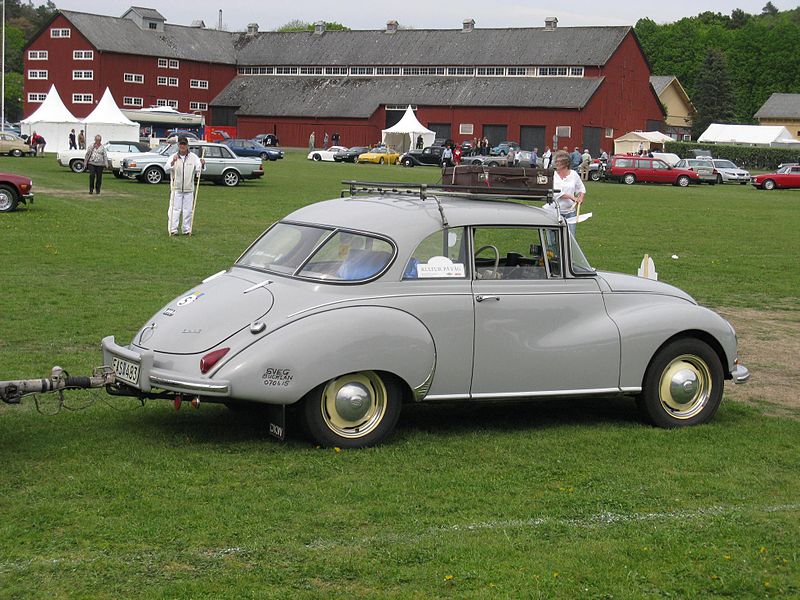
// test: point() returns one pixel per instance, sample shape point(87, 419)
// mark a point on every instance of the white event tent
point(53, 121)
point(402, 136)
point(108, 121)
point(636, 140)
point(749, 135)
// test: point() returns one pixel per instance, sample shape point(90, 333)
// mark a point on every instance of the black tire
point(231, 178)
point(683, 385)
point(316, 157)
point(264, 156)
point(15, 152)
point(768, 184)
point(719, 178)
point(77, 165)
point(153, 175)
point(352, 411)
point(629, 179)
point(381, 161)
point(407, 162)
point(8, 198)
point(683, 181)
point(476, 163)
point(494, 164)
point(594, 175)
point(118, 174)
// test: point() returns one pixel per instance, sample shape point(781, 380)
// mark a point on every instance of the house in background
point(783, 110)
point(675, 100)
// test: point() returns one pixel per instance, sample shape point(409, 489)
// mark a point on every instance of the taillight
point(212, 358)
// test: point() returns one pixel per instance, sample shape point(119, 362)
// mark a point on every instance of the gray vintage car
point(222, 165)
point(348, 308)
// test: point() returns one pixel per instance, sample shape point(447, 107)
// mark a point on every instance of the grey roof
point(147, 13)
point(511, 46)
point(359, 97)
point(660, 82)
point(780, 106)
point(114, 34)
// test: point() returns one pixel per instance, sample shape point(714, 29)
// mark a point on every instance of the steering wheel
point(489, 274)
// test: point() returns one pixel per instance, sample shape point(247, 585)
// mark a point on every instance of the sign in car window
point(440, 266)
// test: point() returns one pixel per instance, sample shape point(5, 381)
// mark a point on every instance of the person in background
point(603, 155)
point(335, 139)
point(72, 144)
point(586, 158)
point(511, 157)
point(546, 158)
point(183, 167)
point(457, 155)
point(325, 141)
point(447, 157)
point(420, 143)
point(81, 140)
point(95, 160)
point(575, 159)
point(535, 158)
point(571, 189)
point(311, 142)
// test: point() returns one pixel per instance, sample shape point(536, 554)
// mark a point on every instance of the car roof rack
point(423, 191)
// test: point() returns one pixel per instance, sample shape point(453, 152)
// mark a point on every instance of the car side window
point(226, 153)
point(658, 164)
point(213, 152)
point(624, 163)
point(516, 253)
point(441, 255)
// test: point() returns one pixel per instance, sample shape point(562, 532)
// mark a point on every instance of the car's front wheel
point(381, 161)
point(8, 198)
point(118, 174)
point(316, 157)
point(77, 165)
point(407, 162)
point(230, 178)
point(683, 181)
point(682, 385)
point(629, 179)
point(265, 156)
point(16, 152)
point(153, 175)
point(594, 175)
point(768, 184)
point(353, 410)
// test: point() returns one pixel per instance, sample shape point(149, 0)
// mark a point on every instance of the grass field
point(539, 500)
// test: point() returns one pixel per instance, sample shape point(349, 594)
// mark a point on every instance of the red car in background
point(630, 169)
point(785, 177)
point(13, 190)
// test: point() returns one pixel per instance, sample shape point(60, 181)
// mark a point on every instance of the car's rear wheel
point(16, 152)
point(77, 165)
point(719, 178)
point(353, 410)
point(476, 162)
point(381, 161)
point(153, 175)
point(316, 157)
point(768, 184)
point(407, 162)
point(682, 385)
point(494, 164)
point(683, 180)
point(231, 178)
point(594, 175)
point(118, 174)
point(264, 156)
point(8, 198)
point(629, 179)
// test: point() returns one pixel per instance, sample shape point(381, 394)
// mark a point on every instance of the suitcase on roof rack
point(478, 179)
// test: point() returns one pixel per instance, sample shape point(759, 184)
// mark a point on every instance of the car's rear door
point(537, 332)
point(661, 172)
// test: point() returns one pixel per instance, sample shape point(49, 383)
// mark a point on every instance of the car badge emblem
point(168, 312)
point(189, 299)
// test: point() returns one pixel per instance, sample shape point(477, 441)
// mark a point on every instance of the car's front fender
point(291, 360)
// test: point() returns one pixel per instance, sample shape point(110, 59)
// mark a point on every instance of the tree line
point(728, 64)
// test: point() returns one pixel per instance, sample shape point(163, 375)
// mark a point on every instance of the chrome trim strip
point(422, 389)
point(192, 386)
point(631, 390)
point(447, 397)
point(362, 298)
point(548, 394)
point(214, 276)
point(741, 374)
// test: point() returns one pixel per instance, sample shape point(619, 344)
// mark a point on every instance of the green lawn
point(539, 500)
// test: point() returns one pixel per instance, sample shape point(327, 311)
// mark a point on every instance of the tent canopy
point(751, 135)
point(108, 121)
point(53, 121)
point(640, 140)
point(403, 135)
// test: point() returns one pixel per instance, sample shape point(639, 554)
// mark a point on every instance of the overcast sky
point(419, 14)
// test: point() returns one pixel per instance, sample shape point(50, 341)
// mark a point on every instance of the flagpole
point(3, 75)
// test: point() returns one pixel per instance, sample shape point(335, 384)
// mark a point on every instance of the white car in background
point(326, 154)
point(728, 172)
point(116, 152)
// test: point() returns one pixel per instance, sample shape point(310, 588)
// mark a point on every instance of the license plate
point(125, 370)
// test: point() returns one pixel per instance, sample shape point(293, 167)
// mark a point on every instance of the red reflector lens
point(212, 358)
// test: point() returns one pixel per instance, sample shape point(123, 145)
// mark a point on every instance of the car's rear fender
point(288, 362)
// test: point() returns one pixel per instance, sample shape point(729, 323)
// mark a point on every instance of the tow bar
point(11, 392)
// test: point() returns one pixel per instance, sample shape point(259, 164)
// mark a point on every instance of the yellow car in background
point(13, 145)
point(380, 155)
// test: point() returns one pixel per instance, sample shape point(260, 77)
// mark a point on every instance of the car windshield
point(315, 252)
point(785, 169)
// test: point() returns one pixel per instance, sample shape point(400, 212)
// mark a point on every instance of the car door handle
point(481, 298)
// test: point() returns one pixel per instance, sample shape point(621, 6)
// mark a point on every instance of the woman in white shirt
point(570, 189)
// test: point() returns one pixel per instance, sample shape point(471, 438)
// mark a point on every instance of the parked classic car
point(503, 147)
point(116, 151)
point(430, 156)
point(728, 172)
point(251, 148)
point(630, 169)
point(350, 307)
point(703, 168)
point(222, 165)
point(13, 190)
point(13, 145)
point(379, 155)
point(489, 161)
point(267, 139)
point(326, 155)
point(785, 177)
point(350, 155)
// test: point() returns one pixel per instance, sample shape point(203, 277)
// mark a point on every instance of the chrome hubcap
point(5, 201)
point(685, 386)
point(354, 405)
